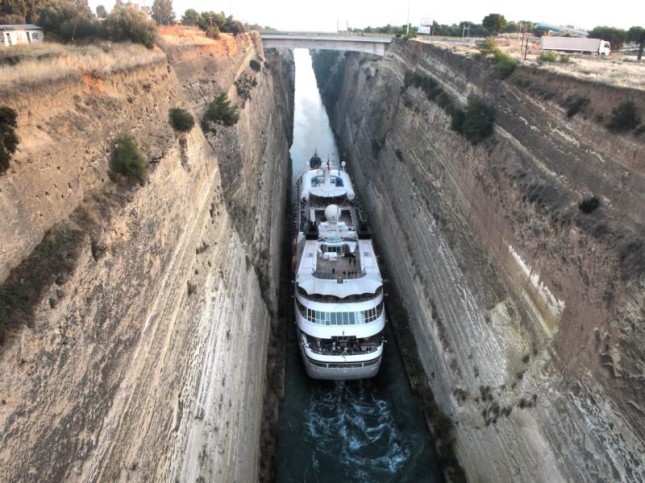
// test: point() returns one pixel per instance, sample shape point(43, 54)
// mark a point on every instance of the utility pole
point(407, 26)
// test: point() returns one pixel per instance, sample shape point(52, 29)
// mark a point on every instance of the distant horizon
point(336, 15)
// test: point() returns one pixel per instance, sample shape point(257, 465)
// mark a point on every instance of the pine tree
point(162, 12)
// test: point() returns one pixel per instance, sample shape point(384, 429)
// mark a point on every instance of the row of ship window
point(344, 365)
point(340, 318)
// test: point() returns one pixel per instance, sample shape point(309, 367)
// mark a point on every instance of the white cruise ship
point(338, 285)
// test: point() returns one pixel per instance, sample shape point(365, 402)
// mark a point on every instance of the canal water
point(345, 431)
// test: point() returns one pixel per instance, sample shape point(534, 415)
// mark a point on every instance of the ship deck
point(343, 266)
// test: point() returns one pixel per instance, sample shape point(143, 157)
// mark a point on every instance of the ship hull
point(341, 370)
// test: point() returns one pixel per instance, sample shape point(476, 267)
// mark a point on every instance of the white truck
point(576, 45)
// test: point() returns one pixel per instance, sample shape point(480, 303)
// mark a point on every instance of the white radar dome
point(332, 213)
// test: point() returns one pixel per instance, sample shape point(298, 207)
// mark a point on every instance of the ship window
point(341, 318)
point(331, 249)
point(359, 317)
point(327, 318)
point(368, 315)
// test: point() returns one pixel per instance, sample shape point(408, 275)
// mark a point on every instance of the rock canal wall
point(147, 361)
point(525, 310)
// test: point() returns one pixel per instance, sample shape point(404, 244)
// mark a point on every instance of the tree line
point(73, 20)
point(495, 24)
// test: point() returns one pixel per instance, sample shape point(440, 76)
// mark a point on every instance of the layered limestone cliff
point(146, 359)
point(527, 312)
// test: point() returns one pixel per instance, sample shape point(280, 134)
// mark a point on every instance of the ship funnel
point(332, 214)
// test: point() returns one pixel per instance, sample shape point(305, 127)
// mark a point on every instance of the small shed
point(20, 34)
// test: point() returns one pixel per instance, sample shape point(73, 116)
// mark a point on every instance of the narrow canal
point(349, 431)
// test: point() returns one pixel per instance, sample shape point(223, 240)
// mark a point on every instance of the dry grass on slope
point(618, 70)
point(176, 39)
point(35, 64)
point(183, 35)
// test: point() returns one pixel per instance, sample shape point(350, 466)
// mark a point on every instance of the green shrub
point(221, 111)
point(212, 32)
point(64, 21)
point(244, 85)
point(565, 59)
point(624, 117)
point(458, 116)
point(488, 47)
point(81, 28)
point(521, 81)
point(255, 65)
point(181, 119)
point(434, 92)
point(8, 136)
point(128, 22)
point(213, 23)
point(478, 121)
point(589, 205)
point(548, 57)
point(430, 86)
point(576, 104)
point(505, 64)
point(444, 101)
point(127, 160)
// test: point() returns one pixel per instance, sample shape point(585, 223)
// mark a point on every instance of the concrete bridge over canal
point(326, 41)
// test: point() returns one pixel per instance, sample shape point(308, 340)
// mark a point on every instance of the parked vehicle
point(576, 45)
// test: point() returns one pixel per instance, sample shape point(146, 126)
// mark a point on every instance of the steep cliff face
point(147, 359)
point(527, 312)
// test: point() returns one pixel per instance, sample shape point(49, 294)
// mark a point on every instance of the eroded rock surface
point(148, 362)
point(526, 311)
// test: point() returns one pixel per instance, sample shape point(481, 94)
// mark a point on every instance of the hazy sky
point(326, 15)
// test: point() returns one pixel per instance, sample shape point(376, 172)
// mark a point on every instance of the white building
point(20, 34)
